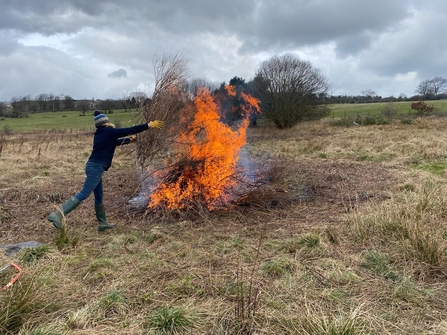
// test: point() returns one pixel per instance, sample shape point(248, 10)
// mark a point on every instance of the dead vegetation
point(169, 103)
point(344, 235)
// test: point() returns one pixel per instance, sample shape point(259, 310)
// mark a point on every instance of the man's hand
point(133, 138)
point(156, 124)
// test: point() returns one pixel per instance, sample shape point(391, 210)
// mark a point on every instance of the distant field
point(402, 107)
point(74, 120)
point(65, 120)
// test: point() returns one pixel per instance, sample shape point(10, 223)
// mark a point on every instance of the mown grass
point(363, 110)
point(76, 121)
point(330, 265)
point(64, 120)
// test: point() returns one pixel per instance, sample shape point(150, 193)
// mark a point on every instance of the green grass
point(65, 120)
point(169, 320)
point(33, 255)
point(402, 107)
point(74, 120)
point(437, 168)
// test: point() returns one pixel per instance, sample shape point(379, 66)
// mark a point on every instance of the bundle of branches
point(266, 197)
point(186, 185)
point(185, 177)
point(185, 167)
point(265, 190)
point(169, 101)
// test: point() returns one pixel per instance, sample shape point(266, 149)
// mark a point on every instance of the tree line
point(24, 105)
point(290, 91)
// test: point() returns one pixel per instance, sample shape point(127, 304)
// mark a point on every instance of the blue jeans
point(93, 183)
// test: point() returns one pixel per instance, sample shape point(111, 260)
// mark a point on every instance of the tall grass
point(23, 303)
point(408, 226)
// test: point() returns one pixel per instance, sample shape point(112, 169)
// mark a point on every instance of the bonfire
point(201, 146)
point(205, 168)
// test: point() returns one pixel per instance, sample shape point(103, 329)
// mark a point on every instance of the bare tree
point(82, 105)
point(42, 101)
point(438, 85)
point(55, 103)
point(20, 106)
point(196, 83)
point(424, 88)
point(290, 88)
point(2, 109)
point(69, 103)
point(126, 101)
point(368, 93)
point(432, 87)
point(138, 99)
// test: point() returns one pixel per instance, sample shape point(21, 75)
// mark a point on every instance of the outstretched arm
point(125, 140)
point(122, 132)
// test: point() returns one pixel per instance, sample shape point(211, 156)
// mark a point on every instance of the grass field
point(74, 120)
point(65, 121)
point(401, 107)
point(348, 235)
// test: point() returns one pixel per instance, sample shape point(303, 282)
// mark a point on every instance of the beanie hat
point(101, 120)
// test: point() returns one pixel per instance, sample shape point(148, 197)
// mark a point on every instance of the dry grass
point(347, 237)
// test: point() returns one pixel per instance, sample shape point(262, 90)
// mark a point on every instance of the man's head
point(101, 120)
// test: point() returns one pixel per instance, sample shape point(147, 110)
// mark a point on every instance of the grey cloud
point(414, 46)
point(353, 44)
point(36, 70)
point(266, 24)
point(173, 16)
point(8, 43)
point(295, 23)
point(120, 73)
point(376, 40)
point(50, 16)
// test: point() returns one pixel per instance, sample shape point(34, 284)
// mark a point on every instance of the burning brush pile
point(201, 146)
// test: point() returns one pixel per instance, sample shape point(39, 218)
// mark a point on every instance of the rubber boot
point(101, 216)
point(66, 207)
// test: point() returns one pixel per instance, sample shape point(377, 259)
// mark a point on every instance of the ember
point(206, 168)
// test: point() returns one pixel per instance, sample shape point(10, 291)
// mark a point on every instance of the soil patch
point(301, 194)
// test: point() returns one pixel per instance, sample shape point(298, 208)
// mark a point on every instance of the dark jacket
point(107, 139)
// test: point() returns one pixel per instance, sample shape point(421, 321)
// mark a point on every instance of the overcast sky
point(104, 48)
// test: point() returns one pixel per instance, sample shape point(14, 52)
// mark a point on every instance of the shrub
point(7, 130)
point(422, 108)
point(343, 122)
point(368, 120)
point(389, 112)
point(406, 121)
point(382, 120)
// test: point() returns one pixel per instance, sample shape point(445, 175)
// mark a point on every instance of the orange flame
point(206, 170)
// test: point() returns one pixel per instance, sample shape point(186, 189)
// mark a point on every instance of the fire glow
point(206, 168)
